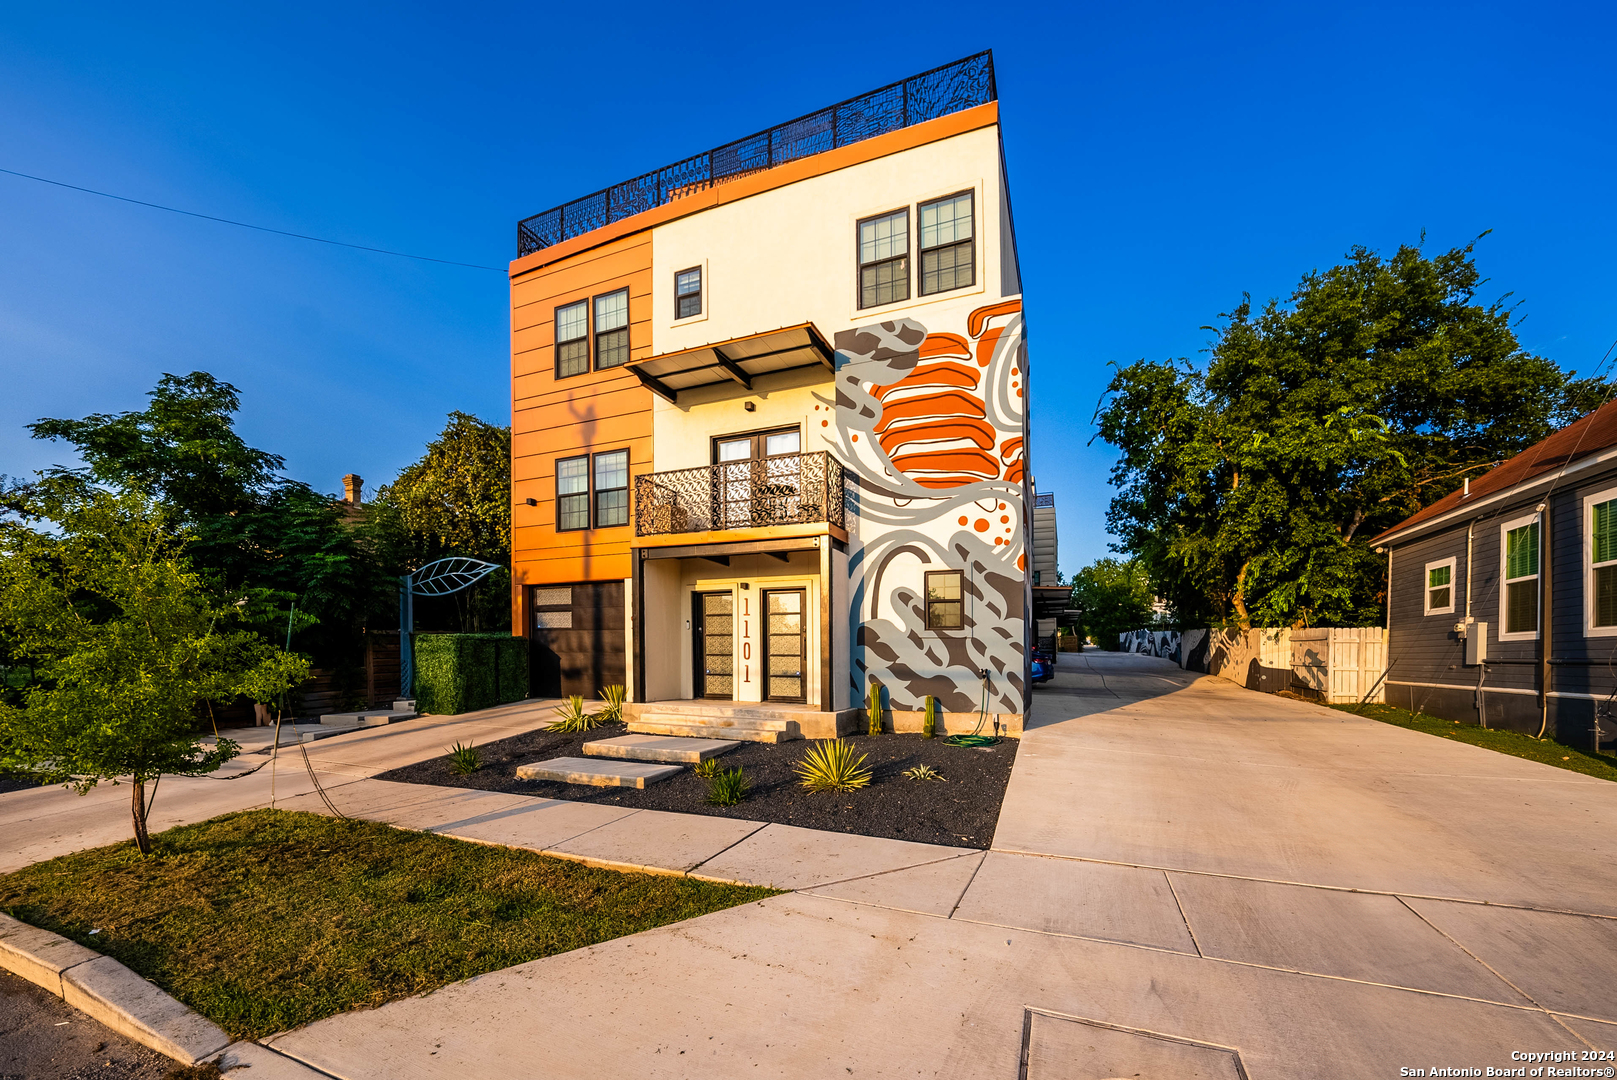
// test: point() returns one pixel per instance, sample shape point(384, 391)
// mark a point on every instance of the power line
point(247, 225)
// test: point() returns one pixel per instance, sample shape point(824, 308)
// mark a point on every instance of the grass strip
point(269, 919)
point(1544, 751)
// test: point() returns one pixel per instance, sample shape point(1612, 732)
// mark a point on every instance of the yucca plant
point(726, 787)
point(924, 772)
point(832, 766)
point(613, 712)
point(873, 710)
point(464, 759)
point(707, 768)
point(573, 717)
point(929, 726)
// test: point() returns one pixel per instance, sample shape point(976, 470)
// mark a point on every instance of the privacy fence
point(1329, 664)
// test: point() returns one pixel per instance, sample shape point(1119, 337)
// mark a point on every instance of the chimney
point(353, 486)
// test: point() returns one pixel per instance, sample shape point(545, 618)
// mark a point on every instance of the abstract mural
point(931, 426)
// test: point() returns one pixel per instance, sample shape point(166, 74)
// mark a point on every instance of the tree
point(1249, 488)
point(1115, 597)
point(456, 500)
point(126, 641)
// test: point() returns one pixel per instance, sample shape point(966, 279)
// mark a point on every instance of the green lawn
point(268, 920)
point(1505, 742)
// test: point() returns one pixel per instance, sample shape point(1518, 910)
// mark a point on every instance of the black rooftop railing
point(1044, 498)
point(927, 96)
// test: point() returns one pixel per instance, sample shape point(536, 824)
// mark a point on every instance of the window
point(688, 293)
point(573, 493)
point(947, 258)
point(1440, 587)
point(573, 339)
point(1600, 575)
point(1519, 600)
point(945, 600)
point(884, 259)
point(612, 489)
point(612, 329)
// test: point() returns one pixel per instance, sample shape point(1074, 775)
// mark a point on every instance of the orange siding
point(551, 418)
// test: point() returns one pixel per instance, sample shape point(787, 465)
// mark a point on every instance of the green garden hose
point(976, 738)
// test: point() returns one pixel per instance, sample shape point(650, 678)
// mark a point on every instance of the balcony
point(951, 88)
point(789, 489)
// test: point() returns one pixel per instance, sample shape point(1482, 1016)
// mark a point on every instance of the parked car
point(1043, 667)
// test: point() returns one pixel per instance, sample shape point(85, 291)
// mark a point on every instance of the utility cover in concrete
point(659, 748)
point(1071, 1048)
point(596, 772)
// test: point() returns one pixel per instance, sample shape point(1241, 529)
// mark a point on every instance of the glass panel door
point(734, 482)
point(714, 631)
point(783, 645)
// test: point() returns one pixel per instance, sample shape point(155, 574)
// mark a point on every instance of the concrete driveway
point(1188, 879)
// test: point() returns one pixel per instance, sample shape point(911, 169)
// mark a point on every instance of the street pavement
point(44, 1038)
point(1188, 879)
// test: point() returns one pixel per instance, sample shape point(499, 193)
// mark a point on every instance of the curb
point(104, 989)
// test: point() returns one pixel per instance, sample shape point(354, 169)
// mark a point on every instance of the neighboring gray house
point(1504, 594)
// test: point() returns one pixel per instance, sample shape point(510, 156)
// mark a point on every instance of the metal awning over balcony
point(739, 360)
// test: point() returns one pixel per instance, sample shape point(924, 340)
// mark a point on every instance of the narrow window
point(573, 493)
point(612, 329)
point(612, 489)
point(947, 258)
point(884, 259)
point(1521, 579)
point(1603, 561)
point(1440, 587)
point(945, 603)
point(688, 293)
point(573, 339)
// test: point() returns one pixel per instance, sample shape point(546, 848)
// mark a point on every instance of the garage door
point(577, 637)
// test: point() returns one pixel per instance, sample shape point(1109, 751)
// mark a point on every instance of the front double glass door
point(758, 477)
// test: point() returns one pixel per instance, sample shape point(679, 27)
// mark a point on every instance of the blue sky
point(1164, 159)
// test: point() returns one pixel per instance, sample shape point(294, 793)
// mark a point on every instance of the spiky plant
point(726, 787)
point(613, 697)
point(464, 759)
point(929, 726)
point(924, 772)
point(707, 768)
point(573, 717)
point(873, 710)
point(831, 765)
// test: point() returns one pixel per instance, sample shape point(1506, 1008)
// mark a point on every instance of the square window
point(1440, 587)
point(948, 257)
point(573, 493)
point(688, 293)
point(884, 264)
point(945, 600)
point(572, 339)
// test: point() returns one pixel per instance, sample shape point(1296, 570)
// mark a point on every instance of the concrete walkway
point(1184, 872)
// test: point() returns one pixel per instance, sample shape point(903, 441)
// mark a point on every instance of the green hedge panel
point(457, 673)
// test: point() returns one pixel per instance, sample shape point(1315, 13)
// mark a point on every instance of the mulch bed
point(961, 810)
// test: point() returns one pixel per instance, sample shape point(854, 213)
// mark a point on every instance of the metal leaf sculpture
point(444, 576)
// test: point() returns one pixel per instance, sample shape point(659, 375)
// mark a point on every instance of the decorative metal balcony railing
point(790, 489)
point(927, 96)
point(1044, 498)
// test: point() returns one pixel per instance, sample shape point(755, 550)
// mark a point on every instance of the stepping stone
point(597, 773)
point(659, 748)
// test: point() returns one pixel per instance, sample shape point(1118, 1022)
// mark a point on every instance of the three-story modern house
point(770, 425)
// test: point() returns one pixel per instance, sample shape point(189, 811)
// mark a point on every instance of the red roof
point(1590, 435)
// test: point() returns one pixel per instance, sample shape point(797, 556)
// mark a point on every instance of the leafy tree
point(126, 640)
point(1115, 597)
point(1249, 488)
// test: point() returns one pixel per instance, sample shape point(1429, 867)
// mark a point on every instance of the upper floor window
point(612, 489)
point(573, 493)
point(688, 293)
point(573, 339)
point(1519, 606)
point(612, 329)
point(945, 600)
point(947, 259)
point(884, 259)
point(1440, 587)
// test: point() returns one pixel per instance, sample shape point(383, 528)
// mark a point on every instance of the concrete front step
point(366, 718)
point(704, 728)
point(684, 751)
point(597, 772)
